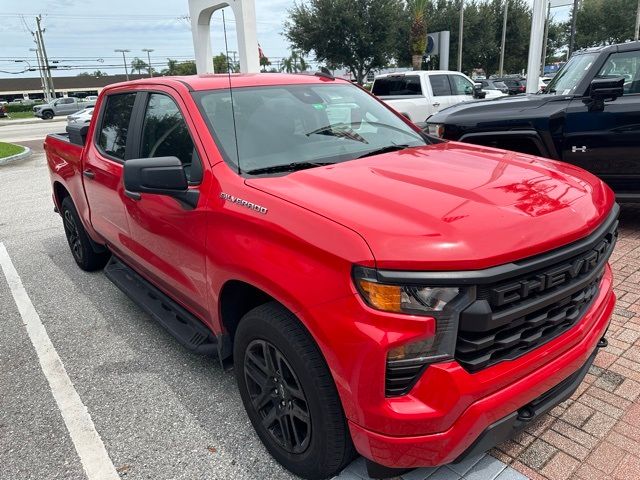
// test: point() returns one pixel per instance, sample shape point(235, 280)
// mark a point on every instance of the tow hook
point(603, 343)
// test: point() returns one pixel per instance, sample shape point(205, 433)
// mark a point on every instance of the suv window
point(397, 86)
point(624, 64)
point(440, 85)
point(460, 85)
point(165, 134)
point(115, 124)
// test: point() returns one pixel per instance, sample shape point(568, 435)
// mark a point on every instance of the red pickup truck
point(377, 290)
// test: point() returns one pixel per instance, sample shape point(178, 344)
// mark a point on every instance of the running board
point(184, 326)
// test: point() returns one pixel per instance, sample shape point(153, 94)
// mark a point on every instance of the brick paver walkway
point(595, 435)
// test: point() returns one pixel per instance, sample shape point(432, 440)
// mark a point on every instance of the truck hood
point(482, 111)
point(451, 206)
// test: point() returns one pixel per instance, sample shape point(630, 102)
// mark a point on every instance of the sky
point(84, 33)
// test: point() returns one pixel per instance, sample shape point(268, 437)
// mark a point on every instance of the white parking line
point(93, 455)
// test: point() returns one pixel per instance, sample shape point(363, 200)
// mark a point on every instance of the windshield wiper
point(287, 167)
point(387, 149)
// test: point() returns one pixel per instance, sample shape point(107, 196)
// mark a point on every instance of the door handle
point(89, 174)
point(133, 195)
point(436, 105)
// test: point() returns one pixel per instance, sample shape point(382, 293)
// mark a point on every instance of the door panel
point(168, 240)
point(102, 169)
point(607, 142)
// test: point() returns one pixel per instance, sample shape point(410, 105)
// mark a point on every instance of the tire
point(300, 397)
point(47, 115)
point(81, 248)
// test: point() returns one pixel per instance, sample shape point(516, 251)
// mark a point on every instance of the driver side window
point(624, 64)
point(165, 134)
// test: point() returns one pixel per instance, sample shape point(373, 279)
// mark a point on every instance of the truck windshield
point(290, 127)
point(569, 77)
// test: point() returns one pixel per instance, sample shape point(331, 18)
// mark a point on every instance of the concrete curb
point(17, 156)
point(23, 121)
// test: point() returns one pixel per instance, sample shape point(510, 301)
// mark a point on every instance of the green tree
point(356, 34)
point(96, 74)
point(221, 63)
point(603, 22)
point(418, 32)
point(294, 63)
point(264, 63)
point(179, 68)
point(137, 65)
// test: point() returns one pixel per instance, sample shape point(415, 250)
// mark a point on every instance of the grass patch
point(15, 115)
point(9, 149)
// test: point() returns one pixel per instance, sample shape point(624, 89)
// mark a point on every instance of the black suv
point(588, 115)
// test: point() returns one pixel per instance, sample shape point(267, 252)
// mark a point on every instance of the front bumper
point(449, 397)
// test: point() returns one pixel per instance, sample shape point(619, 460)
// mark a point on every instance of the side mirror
point(604, 89)
point(478, 92)
point(159, 176)
point(607, 88)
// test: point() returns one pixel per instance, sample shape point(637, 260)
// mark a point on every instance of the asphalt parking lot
point(163, 413)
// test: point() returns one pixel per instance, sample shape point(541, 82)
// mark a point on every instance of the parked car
point(377, 289)
point(418, 95)
point(491, 86)
point(516, 85)
point(60, 106)
point(91, 98)
point(82, 117)
point(588, 115)
point(3, 111)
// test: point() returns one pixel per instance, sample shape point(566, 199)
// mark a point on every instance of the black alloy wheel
point(73, 236)
point(277, 396)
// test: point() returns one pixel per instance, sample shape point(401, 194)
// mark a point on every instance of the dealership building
point(79, 86)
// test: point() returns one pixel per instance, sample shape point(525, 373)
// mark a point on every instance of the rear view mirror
point(158, 176)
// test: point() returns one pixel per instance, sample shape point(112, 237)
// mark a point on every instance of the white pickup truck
point(419, 94)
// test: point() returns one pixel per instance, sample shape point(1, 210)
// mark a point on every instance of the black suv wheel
point(289, 394)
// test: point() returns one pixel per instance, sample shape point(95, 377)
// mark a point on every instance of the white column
point(245, 20)
point(535, 44)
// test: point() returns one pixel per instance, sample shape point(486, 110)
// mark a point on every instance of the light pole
point(124, 59)
point(149, 50)
point(574, 19)
point(460, 35)
point(637, 36)
point(504, 36)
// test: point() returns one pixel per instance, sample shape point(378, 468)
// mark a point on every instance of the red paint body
point(443, 207)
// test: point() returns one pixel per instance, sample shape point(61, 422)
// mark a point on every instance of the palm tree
point(418, 32)
point(139, 65)
point(294, 63)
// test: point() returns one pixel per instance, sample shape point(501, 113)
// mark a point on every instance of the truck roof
point(619, 47)
point(221, 80)
point(419, 72)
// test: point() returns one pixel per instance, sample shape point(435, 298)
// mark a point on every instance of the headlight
point(410, 299)
point(442, 302)
point(436, 129)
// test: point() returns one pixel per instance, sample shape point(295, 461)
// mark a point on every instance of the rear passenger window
point(440, 85)
point(397, 86)
point(115, 124)
point(165, 134)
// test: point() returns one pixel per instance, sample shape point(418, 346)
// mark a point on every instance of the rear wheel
point(289, 394)
point(81, 248)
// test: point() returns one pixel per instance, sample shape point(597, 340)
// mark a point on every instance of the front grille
point(530, 307)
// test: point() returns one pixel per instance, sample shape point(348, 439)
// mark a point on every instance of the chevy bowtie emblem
point(582, 149)
point(244, 203)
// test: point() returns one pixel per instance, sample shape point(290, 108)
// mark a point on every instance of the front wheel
point(47, 115)
point(289, 394)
